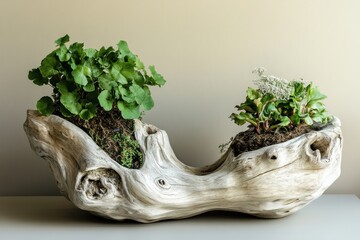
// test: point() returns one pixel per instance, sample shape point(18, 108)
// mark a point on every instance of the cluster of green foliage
point(85, 79)
point(267, 112)
point(130, 150)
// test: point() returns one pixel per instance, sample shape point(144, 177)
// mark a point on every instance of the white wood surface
point(271, 182)
point(329, 217)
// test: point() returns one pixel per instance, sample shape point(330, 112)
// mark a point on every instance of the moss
point(114, 135)
point(130, 150)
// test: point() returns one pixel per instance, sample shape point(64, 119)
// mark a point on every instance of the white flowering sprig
point(279, 103)
point(279, 87)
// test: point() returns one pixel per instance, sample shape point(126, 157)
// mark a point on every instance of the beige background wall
point(205, 49)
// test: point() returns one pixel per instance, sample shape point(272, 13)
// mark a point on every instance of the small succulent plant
point(279, 103)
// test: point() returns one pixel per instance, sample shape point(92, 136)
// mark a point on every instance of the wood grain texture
point(271, 182)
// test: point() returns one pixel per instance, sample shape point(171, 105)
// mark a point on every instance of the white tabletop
point(329, 217)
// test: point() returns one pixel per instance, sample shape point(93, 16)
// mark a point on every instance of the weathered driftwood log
point(271, 182)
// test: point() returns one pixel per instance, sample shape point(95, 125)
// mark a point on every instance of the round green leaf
point(106, 82)
point(238, 119)
point(148, 102)
point(129, 111)
point(269, 108)
point(308, 121)
point(65, 112)
point(252, 94)
point(63, 54)
point(70, 102)
point(79, 75)
point(106, 101)
point(48, 66)
point(116, 73)
point(85, 114)
point(159, 79)
point(90, 87)
point(35, 76)
point(88, 112)
point(285, 121)
point(62, 40)
point(123, 47)
point(138, 92)
point(90, 52)
point(45, 106)
point(126, 95)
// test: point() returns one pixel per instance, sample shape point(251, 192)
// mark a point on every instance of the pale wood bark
point(271, 182)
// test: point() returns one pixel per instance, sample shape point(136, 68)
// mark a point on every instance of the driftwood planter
point(271, 182)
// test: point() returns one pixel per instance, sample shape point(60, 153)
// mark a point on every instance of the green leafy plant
point(278, 103)
point(84, 80)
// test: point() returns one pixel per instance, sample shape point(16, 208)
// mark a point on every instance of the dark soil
point(104, 127)
point(250, 140)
